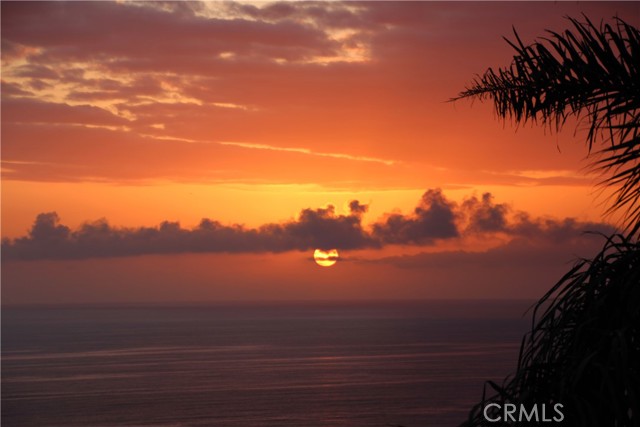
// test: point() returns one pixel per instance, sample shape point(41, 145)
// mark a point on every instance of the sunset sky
point(174, 151)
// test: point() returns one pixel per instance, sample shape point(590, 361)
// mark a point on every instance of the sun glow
point(325, 258)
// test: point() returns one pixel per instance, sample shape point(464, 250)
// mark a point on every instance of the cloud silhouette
point(315, 228)
point(484, 215)
point(435, 218)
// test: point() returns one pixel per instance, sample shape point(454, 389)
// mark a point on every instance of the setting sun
point(325, 258)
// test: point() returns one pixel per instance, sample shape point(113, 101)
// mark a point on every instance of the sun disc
point(325, 258)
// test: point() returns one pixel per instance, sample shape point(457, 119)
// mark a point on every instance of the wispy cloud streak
point(309, 152)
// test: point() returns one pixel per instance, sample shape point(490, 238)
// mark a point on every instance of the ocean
point(296, 364)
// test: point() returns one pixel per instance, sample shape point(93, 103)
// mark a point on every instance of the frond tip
point(583, 349)
point(591, 73)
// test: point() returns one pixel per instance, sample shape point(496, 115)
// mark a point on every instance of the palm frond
point(591, 73)
point(583, 349)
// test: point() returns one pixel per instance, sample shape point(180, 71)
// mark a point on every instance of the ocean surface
point(250, 365)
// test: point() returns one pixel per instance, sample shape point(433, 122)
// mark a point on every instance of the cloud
point(521, 268)
point(13, 89)
point(107, 153)
point(40, 112)
point(434, 219)
point(555, 231)
point(315, 228)
point(358, 80)
point(357, 209)
point(335, 15)
point(484, 215)
point(66, 31)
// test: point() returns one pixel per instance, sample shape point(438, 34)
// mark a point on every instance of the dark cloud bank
point(434, 219)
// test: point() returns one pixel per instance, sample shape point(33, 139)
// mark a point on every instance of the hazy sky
point(162, 151)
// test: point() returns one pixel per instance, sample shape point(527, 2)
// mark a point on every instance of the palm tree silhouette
point(584, 347)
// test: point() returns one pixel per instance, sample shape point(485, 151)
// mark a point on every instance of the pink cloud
point(160, 65)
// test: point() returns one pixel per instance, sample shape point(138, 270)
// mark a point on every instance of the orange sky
point(249, 112)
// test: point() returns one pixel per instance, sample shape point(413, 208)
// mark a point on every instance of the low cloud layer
point(434, 219)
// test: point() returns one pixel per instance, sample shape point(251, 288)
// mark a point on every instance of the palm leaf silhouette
point(590, 73)
point(584, 346)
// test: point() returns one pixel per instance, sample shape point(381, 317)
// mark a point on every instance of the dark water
point(295, 364)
